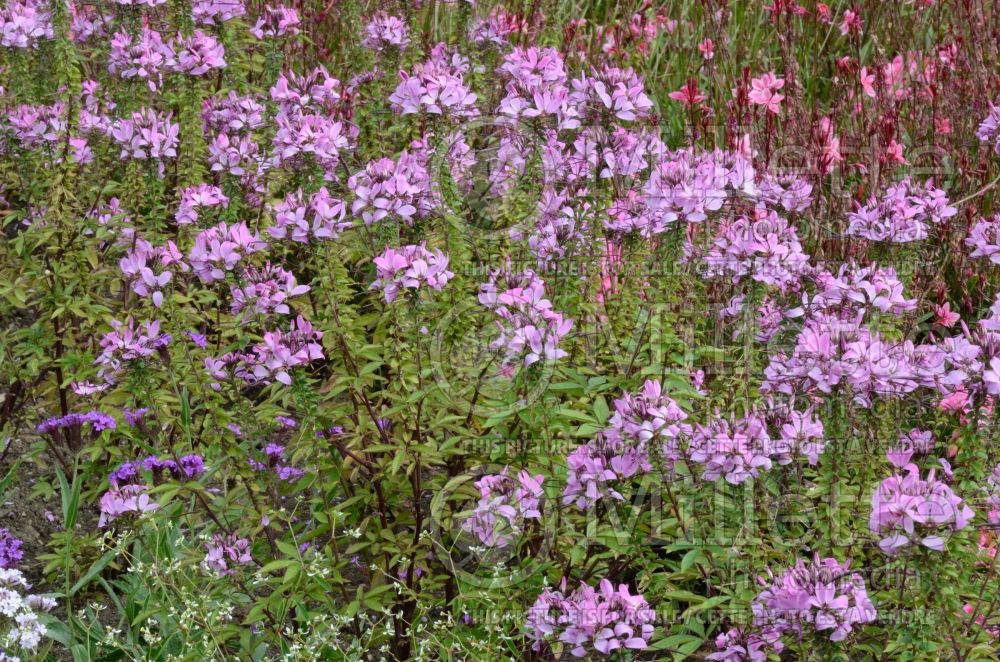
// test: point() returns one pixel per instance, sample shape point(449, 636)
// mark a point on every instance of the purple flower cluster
point(279, 21)
point(225, 551)
point(435, 87)
point(133, 417)
point(198, 197)
point(128, 342)
point(410, 267)
point(734, 449)
point(858, 288)
point(322, 217)
point(537, 87)
point(216, 12)
point(688, 186)
point(236, 155)
point(908, 509)
point(505, 502)
point(745, 645)
point(10, 550)
point(605, 619)
point(765, 248)
point(143, 55)
point(989, 129)
point(36, 125)
point(99, 421)
point(130, 498)
point(274, 460)
point(902, 214)
point(265, 291)
point(822, 595)
point(384, 32)
point(146, 135)
point(273, 358)
point(232, 113)
point(310, 123)
point(139, 264)
point(984, 239)
point(23, 23)
point(528, 326)
point(494, 29)
point(387, 188)
point(198, 54)
point(831, 352)
point(645, 423)
point(219, 249)
point(789, 192)
point(614, 92)
point(185, 468)
point(558, 224)
point(920, 442)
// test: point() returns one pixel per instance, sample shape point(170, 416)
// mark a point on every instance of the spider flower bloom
point(127, 499)
point(984, 239)
point(277, 21)
point(198, 54)
point(126, 343)
point(216, 12)
point(24, 24)
point(613, 91)
point(505, 502)
point(528, 327)
point(144, 56)
point(410, 267)
point(822, 596)
point(224, 552)
point(320, 217)
point(605, 619)
point(198, 197)
point(746, 645)
point(265, 292)
point(435, 87)
point(902, 214)
point(387, 188)
point(735, 449)
point(907, 508)
point(385, 32)
point(147, 135)
point(989, 129)
point(281, 351)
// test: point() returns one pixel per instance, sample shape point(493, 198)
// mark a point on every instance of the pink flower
point(608, 619)
point(944, 316)
point(410, 267)
point(689, 94)
point(894, 153)
point(764, 90)
point(851, 23)
point(707, 49)
point(957, 401)
point(867, 82)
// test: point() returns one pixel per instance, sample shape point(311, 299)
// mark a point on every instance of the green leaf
point(70, 497)
point(9, 478)
point(98, 566)
point(601, 409)
point(690, 559)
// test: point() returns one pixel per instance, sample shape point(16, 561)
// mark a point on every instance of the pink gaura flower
point(764, 92)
